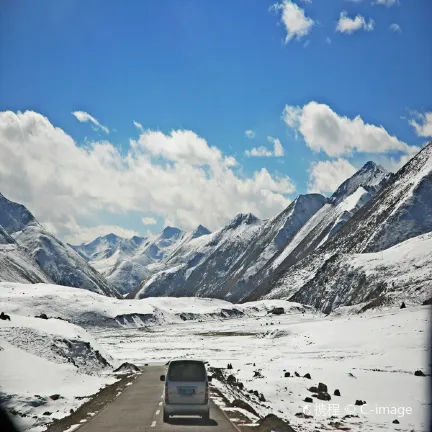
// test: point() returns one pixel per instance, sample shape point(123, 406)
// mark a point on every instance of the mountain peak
point(169, 232)
point(371, 177)
point(200, 231)
point(242, 218)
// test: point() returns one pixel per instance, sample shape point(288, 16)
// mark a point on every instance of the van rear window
point(186, 371)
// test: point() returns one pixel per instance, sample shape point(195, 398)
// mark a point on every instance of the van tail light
point(207, 393)
point(166, 392)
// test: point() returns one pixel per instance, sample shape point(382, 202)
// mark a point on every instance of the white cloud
point(350, 25)
point(328, 40)
point(386, 2)
point(177, 176)
point(325, 177)
point(424, 127)
point(250, 134)
point(83, 234)
point(84, 117)
point(262, 151)
point(297, 24)
point(324, 130)
point(138, 126)
point(149, 221)
point(395, 28)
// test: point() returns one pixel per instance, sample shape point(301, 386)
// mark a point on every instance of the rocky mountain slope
point(221, 264)
point(398, 218)
point(16, 265)
point(127, 262)
point(233, 269)
point(57, 261)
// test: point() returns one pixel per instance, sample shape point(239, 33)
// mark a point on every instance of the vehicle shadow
point(192, 421)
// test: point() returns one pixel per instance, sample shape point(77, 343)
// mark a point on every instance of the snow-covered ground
point(40, 359)
point(370, 357)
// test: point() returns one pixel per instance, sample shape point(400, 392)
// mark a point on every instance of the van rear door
point(187, 382)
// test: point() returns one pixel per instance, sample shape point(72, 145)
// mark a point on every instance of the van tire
point(165, 417)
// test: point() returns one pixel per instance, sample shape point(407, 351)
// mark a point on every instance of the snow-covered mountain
point(394, 223)
point(127, 262)
point(16, 265)
point(221, 264)
point(60, 263)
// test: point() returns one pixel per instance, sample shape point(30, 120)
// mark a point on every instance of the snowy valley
point(352, 273)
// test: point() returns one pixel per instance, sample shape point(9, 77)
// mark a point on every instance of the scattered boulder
point(257, 374)
point(322, 387)
point(237, 403)
point(395, 421)
point(231, 379)
point(254, 364)
point(146, 364)
point(4, 317)
point(313, 389)
point(287, 375)
point(307, 376)
point(42, 316)
point(360, 402)
point(71, 411)
point(403, 306)
point(255, 392)
point(271, 323)
point(296, 374)
point(55, 397)
point(324, 396)
point(337, 392)
point(239, 384)
point(308, 399)
point(350, 416)
point(277, 311)
point(419, 373)
point(262, 398)
point(47, 413)
point(230, 366)
point(127, 368)
point(303, 415)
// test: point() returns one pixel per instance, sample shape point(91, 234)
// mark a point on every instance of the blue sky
point(217, 69)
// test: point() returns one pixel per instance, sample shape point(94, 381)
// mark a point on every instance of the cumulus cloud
point(250, 134)
point(84, 117)
point(386, 2)
point(83, 234)
point(395, 28)
point(176, 176)
point(350, 25)
point(138, 126)
point(149, 221)
point(278, 150)
point(326, 176)
point(324, 130)
point(294, 19)
point(423, 128)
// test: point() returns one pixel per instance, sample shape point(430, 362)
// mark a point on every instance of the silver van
point(186, 389)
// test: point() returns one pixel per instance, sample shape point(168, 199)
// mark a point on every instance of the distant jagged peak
point(199, 231)
point(170, 232)
point(243, 219)
point(370, 176)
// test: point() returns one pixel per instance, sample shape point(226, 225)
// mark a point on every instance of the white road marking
point(153, 424)
point(157, 412)
point(160, 403)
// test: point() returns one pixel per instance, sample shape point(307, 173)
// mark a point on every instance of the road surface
point(139, 409)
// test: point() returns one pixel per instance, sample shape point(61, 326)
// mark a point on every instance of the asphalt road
point(139, 409)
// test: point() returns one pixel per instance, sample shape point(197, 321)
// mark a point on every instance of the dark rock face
point(322, 387)
point(277, 311)
point(237, 403)
point(324, 396)
point(403, 306)
point(127, 368)
point(231, 379)
point(419, 373)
